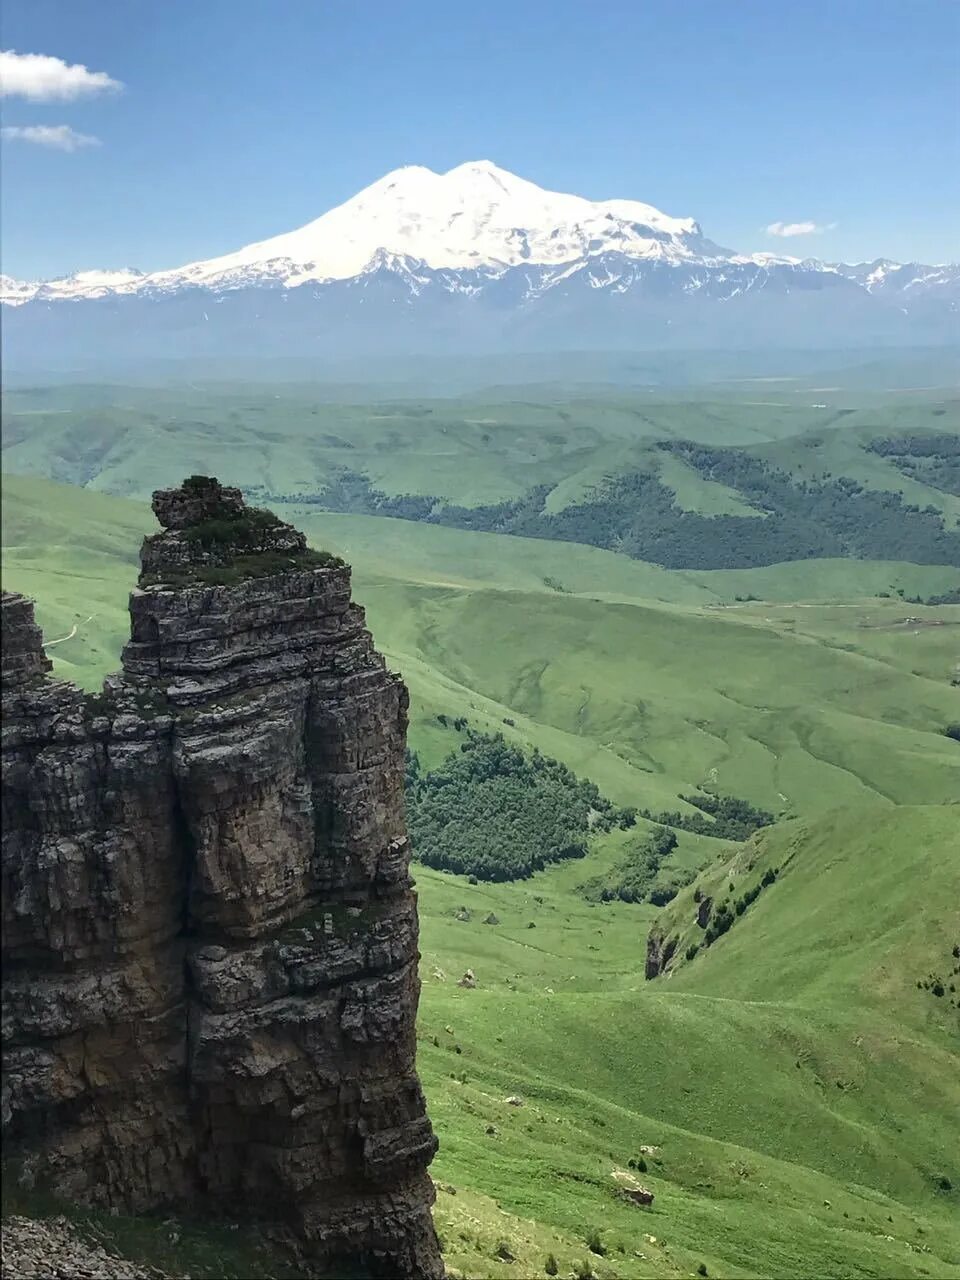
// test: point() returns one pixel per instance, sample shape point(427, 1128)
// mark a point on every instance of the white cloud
point(59, 137)
point(788, 229)
point(41, 78)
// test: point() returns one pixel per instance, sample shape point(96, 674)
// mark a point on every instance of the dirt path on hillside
point(70, 634)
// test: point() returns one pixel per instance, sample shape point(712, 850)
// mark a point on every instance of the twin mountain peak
point(474, 261)
point(476, 216)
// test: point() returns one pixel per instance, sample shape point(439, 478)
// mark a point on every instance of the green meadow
point(791, 1093)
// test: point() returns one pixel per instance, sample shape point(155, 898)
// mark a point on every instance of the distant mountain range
point(471, 261)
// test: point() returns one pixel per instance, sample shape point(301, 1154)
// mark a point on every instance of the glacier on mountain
point(476, 259)
point(476, 215)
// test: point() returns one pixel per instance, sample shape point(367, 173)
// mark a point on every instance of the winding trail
point(70, 634)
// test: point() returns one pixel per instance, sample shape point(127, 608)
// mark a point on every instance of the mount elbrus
point(475, 260)
point(209, 928)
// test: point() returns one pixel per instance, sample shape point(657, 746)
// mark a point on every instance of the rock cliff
point(209, 928)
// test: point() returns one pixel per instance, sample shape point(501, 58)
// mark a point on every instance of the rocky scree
point(32, 1250)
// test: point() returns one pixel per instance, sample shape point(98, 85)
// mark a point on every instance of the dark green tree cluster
point(632, 879)
point(411, 769)
point(950, 596)
point(727, 912)
point(858, 522)
point(940, 986)
point(730, 818)
point(499, 813)
point(666, 889)
point(636, 514)
point(352, 493)
point(247, 530)
point(930, 457)
point(459, 723)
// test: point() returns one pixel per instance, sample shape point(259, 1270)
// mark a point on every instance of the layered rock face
point(210, 933)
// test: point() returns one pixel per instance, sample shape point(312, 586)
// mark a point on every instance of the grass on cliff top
point(233, 547)
point(243, 568)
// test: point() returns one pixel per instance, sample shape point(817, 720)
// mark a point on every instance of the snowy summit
point(471, 260)
point(476, 215)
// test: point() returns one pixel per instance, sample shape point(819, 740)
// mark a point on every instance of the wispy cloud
point(41, 78)
point(58, 137)
point(787, 229)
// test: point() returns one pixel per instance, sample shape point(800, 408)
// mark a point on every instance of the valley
point(788, 1092)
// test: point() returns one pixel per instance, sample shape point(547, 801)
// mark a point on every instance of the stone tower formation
point(209, 928)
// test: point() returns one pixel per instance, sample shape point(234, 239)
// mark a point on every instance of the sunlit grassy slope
point(796, 1092)
point(77, 554)
point(842, 919)
point(798, 707)
point(466, 451)
point(130, 441)
point(800, 1091)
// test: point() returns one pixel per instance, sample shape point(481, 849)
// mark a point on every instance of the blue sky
point(239, 119)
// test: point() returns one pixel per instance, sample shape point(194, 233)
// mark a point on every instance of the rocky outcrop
point(209, 929)
point(23, 655)
point(660, 951)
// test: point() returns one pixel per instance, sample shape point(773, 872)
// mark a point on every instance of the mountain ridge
point(475, 214)
point(412, 214)
point(477, 259)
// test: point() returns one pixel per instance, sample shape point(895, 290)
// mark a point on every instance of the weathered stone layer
point(209, 928)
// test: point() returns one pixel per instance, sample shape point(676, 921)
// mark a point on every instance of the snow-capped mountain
point(477, 258)
point(474, 216)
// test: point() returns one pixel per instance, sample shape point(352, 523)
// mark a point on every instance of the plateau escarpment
point(209, 929)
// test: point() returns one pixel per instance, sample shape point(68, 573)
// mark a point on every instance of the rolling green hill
point(793, 706)
point(289, 439)
point(799, 1091)
point(832, 875)
point(129, 441)
point(791, 1091)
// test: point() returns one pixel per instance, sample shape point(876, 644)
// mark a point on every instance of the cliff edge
point(209, 928)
